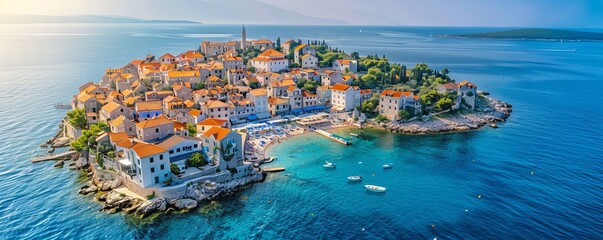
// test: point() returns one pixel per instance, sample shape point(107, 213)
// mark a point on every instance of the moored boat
point(329, 165)
point(388, 165)
point(353, 134)
point(375, 188)
point(355, 178)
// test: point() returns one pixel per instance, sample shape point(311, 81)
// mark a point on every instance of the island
point(171, 132)
point(535, 34)
point(32, 19)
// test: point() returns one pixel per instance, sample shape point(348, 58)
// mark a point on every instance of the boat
point(493, 125)
point(329, 165)
point(355, 178)
point(375, 188)
point(388, 165)
point(353, 134)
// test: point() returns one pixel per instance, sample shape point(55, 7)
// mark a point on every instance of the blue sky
point(508, 13)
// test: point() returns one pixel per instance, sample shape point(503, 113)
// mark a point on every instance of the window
point(171, 151)
point(156, 130)
point(177, 149)
point(161, 157)
point(165, 175)
point(156, 180)
point(151, 159)
point(152, 170)
point(162, 167)
point(196, 145)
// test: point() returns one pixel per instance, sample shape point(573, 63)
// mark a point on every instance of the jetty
point(52, 156)
point(273, 169)
point(334, 137)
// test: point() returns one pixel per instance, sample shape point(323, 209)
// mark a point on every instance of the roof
point(307, 94)
point(291, 88)
point(148, 105)
point(288, 41)
point(109, 107)
point(173, 140)
point(120, 139)
point(194, 112)
point(262, 41)
point(365, 91)
point(175, 74)
point(144, 149)
point(300, 46)
point(449, 86)
point(396, 94)
point(340, 87)
point(277, 101)
point(84, 97)
point(118, 121)
point(167, 55)
point(259, 92)
point(219, 133)
point(344, 61)
point(307, 55)
point(214, 104)
point(212, 122)
point(271, 53)
point(153, 122)
point(469, 84)
point(214, 78)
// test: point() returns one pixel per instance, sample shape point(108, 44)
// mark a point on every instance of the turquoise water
point(555, 131)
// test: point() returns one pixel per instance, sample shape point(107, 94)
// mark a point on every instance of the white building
point(150, 162)
point(309, 61)
point(216, 109)
point(468, 93)
point(344, 98)
point(259, 97)
point(271, 61)
point(345, 65)
point(180, 148)
point(391, 102)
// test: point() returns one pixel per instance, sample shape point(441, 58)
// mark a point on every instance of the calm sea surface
point(555, 131)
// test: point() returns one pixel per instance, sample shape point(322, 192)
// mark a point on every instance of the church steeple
point(243, 38)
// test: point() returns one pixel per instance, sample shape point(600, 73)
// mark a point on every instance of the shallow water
point(555, 131)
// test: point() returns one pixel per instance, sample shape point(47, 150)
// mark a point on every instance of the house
point(182, 91)
point(157, 95)
point(287, 46)
point(208, 123)
point(447, 87)
point(271, 61)
point(212, 48)
point(148, 109)
point(224, 147)
point(279, 88)
point(278, 106)
point(154, 129)
point(194, 56)
point(122, 124)
point(241, 110)
point(391, 102)
point(259, 97)
point(235, 75)
point(309, 100)
point(294, 94)
point(112, 110)
point(180, 148)
point(344, 98)
point(167, 59)
point(86, 101)
point(262, 44)
point(178, 76)
point(309, 61)
point(193, 116)
point(330, 78)
point(216, 109)
point(323, 95)
point(467, 92)
point(214, 81)
point(302, 50)
point(233, 63)
point(366, 94)
point(345, 65)
point(149, 162)
point(173, 106)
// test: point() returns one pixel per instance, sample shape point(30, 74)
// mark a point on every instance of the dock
point(273, 169)
point(52, 156)
point(334, 137)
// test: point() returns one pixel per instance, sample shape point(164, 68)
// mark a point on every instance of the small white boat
point(353, 134)
point(355, 178)
point(329, 165)
point(388, 166)
point(375, 188)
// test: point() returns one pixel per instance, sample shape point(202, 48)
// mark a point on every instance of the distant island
point(30, 19)
point(535, 34)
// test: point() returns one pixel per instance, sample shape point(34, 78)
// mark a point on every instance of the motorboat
point(355, 178)
point(375, 188)
point(329, 165)
point(388, 165)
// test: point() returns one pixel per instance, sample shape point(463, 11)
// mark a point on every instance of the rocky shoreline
point(107, 192)
point(488, 111)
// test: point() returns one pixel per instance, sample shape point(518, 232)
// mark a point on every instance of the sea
point(538, 176)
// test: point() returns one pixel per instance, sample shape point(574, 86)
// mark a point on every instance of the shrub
point(196, 160)
point(174, 168)
point(381, 118)
point(151, 196)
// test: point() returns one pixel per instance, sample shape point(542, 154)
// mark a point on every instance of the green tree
point(278, 44)
point(381, 118)
point(443, 104)
point(251, 69)
point(196, 160)
point(430, 98)
point(294, 65)
point(77, 118)
point(174, 169)
point(404, 115)
point(192, 129)
point(355, 55)
point(88, 138)
point(199, 85)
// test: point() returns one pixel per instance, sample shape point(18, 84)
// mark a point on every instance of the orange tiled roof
point(161, 120)
point(144, 149)
point(212, 122)
point(148, 105)
point(396, 94)
point(219, 133)
point(340, 87)
point(109, 107)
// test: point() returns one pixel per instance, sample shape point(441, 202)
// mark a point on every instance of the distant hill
point(28, 19)
point(536, 34)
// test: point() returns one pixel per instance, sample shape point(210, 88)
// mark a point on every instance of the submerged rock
point(185, 203)
point(149, 207)
point(85, 190)
point(59, 164)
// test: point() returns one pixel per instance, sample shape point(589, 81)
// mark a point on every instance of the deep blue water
point(555, 131)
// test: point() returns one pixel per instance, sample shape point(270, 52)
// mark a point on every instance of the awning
point(319, 107)
point(263, 115)
point(307, 109)
point(295, 111)
point(252, 117)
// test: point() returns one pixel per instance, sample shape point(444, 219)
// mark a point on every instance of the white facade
point(344, 98)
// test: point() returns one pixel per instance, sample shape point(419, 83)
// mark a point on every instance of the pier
point(52, 156)
point(334, 137)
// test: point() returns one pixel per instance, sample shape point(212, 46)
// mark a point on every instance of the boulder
point(59, 164)
point(81, 162)
point(152, 206)
point(85, 190)
point(185, 203)
point(113, 198)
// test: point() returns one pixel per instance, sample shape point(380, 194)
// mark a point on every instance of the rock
point(59, 164)
point(152, 206)
point(85, 190)
point(82, 162)
point(185, 203)
point(115, 183)
point(135, 204)
point(60, 142)
point(50, 150)
point(106, 186)
point(113, 198)
point(102, 197)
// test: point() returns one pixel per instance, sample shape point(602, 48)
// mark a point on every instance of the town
point(161, 126)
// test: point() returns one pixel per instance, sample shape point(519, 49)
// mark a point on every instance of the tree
point(174, 169)
point(251, 69)
point(88, 138)
point(196, 160)
point(294, 65)
point(381, 118)
point(278, 42)
point(430, 98)
point(355, 55)
point(443, 104)
point(77, 118)
point(192, 129)
point(403, 114)
point(199, 85)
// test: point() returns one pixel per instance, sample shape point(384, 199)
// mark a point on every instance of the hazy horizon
point(462, 13)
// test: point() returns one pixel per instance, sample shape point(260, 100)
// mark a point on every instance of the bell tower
point(243, 39)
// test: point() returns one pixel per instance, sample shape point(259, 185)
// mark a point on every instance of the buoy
point(373, 174)
point(432, 225)
point(363, 229)
point(532, 173)
point(466, 210)
point(479, 196)
point(269, 201)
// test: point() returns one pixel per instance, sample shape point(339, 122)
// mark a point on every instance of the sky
point(490, 13)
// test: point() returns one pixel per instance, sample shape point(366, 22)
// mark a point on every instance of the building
point(150, 163)
point(309, 100)
point(262, 44)
point(345, 65)
point(330, 78)
point(167, 59)
point(112, 110)
point(278, 106)
point(447, 87)
point(344, 98)
point(243, 39)
point(148, 109)
point(391, 102)
point(309, 61)
point(294, 94)
point(323, 95)
point(208, 123)
point(154, 129)
point(259, 97)
point(216, 109)
point(287, 46)
point(271, 61)
point(467, 92)
point(302, 50)
point(122, 124)
point(233, 63)
point(180, 148)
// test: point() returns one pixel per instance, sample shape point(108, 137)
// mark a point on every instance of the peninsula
point(536, 34)
point(173, 131)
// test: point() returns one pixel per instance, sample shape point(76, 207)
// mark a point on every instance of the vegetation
point(196, 160)
point(77, 118)
point(199, 85)
point(369, 107)
point(88, 138)
point(192, 129)
point(174, 169)
point(151, 196)
point(404, 115)
point(381, 118)
point(308, 84)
